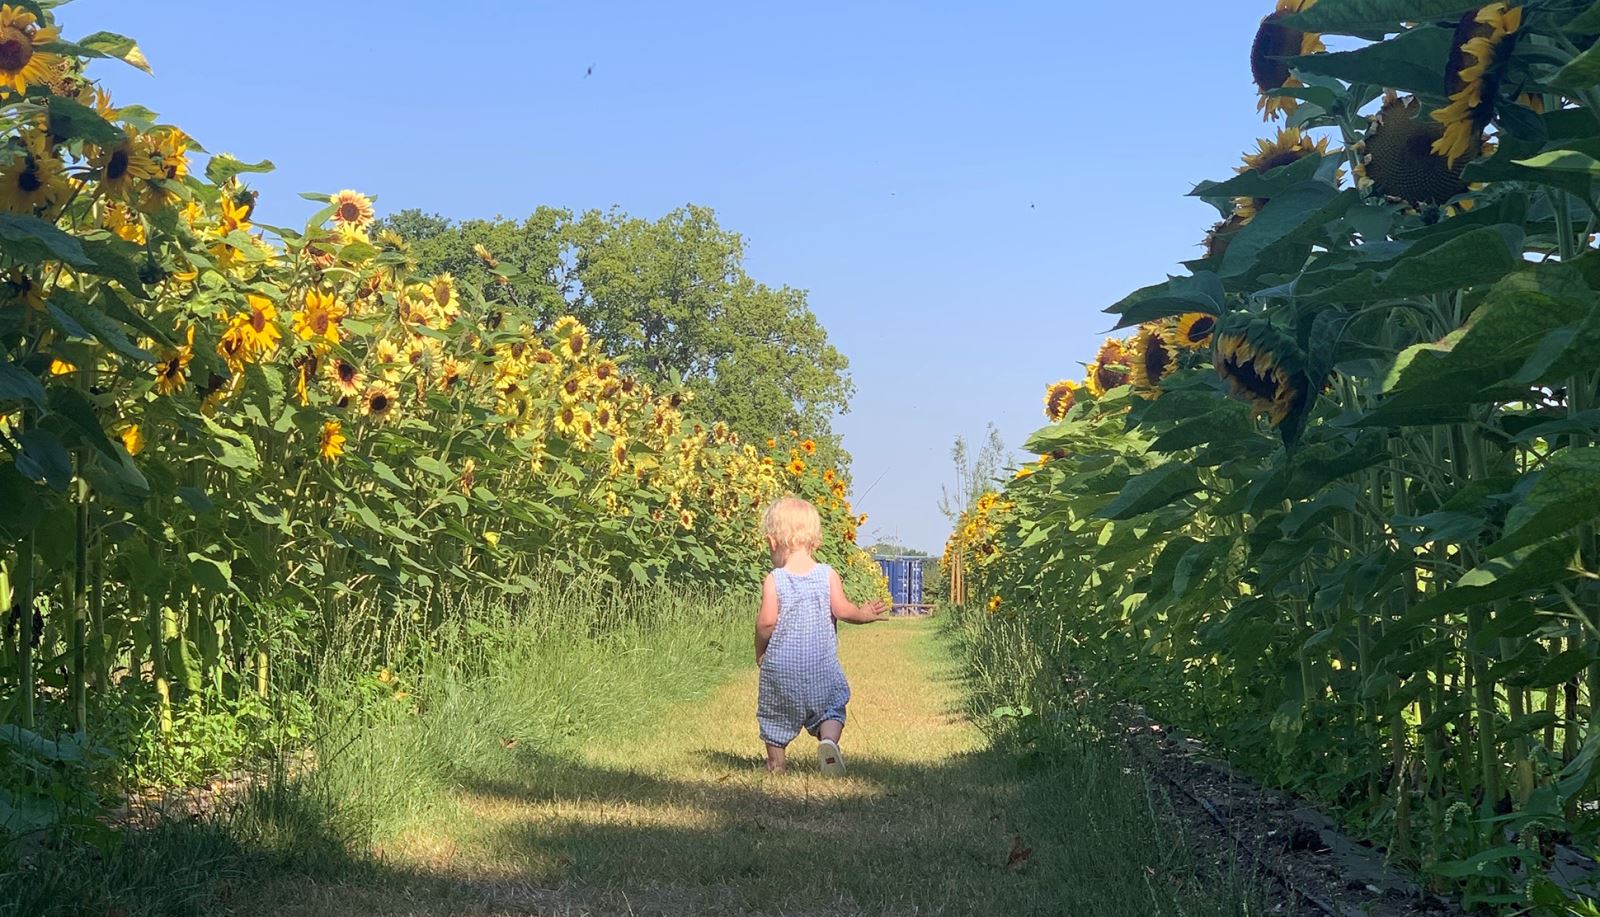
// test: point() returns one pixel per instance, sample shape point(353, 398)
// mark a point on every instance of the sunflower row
point(221, 442)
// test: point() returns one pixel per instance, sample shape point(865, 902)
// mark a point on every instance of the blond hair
point(792, 523)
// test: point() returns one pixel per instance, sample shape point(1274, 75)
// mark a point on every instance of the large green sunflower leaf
point(1579, 73)
point(1251, 183)
point(1152, 490)
point(1368, 18)
point(17, 384)
point(1472, 365)
point(1414, 61)
point(72, 120)
point(223, 167)
point(1480, 255)
point(27, 238)
point(1296, 214)
point(1566, 495)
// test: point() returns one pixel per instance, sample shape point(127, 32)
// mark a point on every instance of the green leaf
point(1566, 495)
point(1579, 73)
point(1414, 61)
point(28, 238)
point(1485, 863)
point(1152, 490)
point(17, 384)
point(1563, 160)
point(223, 167)
point(1306, 206)
point(117, 260)
point(1260, 185)
point(72, 120)
point(75, 407)
point(97, 325)
point(1375, 17)
point(116, 47)
point(211, 574)
point(44, 459)
point(1480, 255)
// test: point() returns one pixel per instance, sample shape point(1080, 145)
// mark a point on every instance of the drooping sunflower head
point(1263, 368)
point(1219, 235)
point(351, 210)
point(1109, 369)
point(1398, 156)
point(451, 374)
point(1151, 359)
point(1059, 399)
point(1274, 44)
point(1478, 52)
point(22, 63)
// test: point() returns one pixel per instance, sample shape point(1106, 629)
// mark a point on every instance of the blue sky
point(961, 187)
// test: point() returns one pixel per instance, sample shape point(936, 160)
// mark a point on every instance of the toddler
point(797, 648)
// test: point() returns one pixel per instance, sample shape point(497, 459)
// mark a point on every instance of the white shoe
point(830, 758)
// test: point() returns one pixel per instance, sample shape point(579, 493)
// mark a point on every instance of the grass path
point(681, 819)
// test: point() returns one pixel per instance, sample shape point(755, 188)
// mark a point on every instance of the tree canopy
point(668, 297)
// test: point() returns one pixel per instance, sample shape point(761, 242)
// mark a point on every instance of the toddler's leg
point(775, 759)
point(830, 730)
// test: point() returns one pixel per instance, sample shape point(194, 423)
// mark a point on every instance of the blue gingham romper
point(801, 681)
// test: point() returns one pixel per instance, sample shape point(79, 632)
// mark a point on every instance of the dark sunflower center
point(1401, 162)
point(575, 344)
point(28, 180)
point(16, 49)
point(1274, 44)
point(1246, 375)
point(518, 348)
point(258, 321)
point(347, 372)
point(349, 212)
point(117, 166)
point(380, 403)
point(1200, 329)
point(319, 322)
point(1155, 359)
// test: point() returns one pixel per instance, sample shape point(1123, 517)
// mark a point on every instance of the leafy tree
point(670, 297)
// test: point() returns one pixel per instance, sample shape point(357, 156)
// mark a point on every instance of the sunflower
point(120, 166)
point(346, 377)
point(332, 441)
point(351, 209)
point(132, 439)
point(1399, 158)
point(319, 320)
point(1258, 376)
point(172, 370)
point(604, 417)
point(451, 373)
point(1275, 42)
point(34, 181)
point(685, 519)
point(1151, 359)
point(1289, 146)
point(796, 466)
point(386, 354)
point(570, 336)
point(233, 348)
point(1219, 235)
point(1059, 398)
point(1472, 77)
point(619, 455)
point(236, 211)
point(573, 388)
point(994, 604)
point(1192, 331)
point(605, 370)
point(1109, 369)
point(808, 446)
point(379, 401)
point(124, 222)
point(260, 324)
point(444, 295)
point(484, 255)
point(21, 61)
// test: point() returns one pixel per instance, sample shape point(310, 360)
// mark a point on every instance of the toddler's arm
point(846, 610)
point(767, 618)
